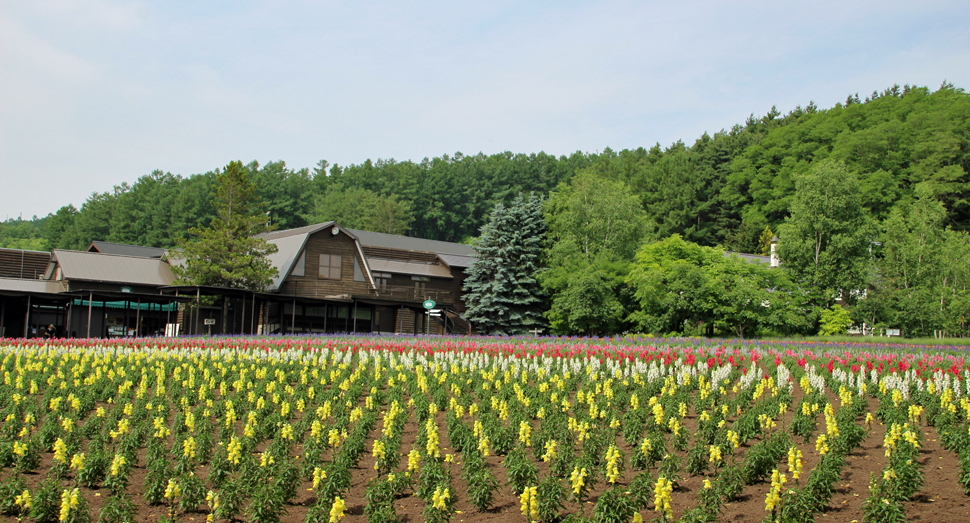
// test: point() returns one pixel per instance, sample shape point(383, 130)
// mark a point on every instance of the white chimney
point(775, 262)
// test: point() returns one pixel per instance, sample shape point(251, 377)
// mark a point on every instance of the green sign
point(429, 304)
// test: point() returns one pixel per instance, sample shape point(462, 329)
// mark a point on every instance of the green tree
point(229, 253)
point(587, 297)
point(595, 226)
point(671, 284)
point(685, 288)
point(922, 274)
point(835, 321)
point(597, 216)
point(503, 292)
point(358, 208)
point(23, 234)
point(287, 194)
point(825, 242)
point(351, 207)
point(390, 216)
point(911, 240)
point(60, 232)
point(93, 222)
point(746, 298)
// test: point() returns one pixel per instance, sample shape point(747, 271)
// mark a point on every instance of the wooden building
point(85, 294)
point(330, 279)
point(370, 282)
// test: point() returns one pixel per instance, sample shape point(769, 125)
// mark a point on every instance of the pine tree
point(228, 253)
point(504, 295)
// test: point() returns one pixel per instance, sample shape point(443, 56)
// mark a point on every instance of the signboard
point(429, 304)
point(434, 312)
point(210, 321)
point(892, 332)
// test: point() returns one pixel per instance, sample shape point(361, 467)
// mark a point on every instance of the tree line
point(606, 269)
point(904, 154)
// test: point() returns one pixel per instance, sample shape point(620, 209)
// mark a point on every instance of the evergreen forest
point(870, 198)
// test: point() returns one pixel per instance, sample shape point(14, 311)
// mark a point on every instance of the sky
point(94, 93)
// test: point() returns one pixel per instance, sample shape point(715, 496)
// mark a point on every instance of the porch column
point(90, 300)
point(293, 318)
point(138, 319)
point(27, 319)
point(69, 309)
point(355, 316)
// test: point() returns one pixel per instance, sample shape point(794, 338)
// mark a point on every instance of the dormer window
point(420, 286)
point(382, 280)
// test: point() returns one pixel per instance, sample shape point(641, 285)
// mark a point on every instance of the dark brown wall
point(458, 282)
point(311, 285)
point(388, 315)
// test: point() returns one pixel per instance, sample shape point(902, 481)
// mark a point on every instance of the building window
point(315, 311)
point(299, 269)
point(382, 280)
point(330, 266)
point(358, 274)
point(420, 283)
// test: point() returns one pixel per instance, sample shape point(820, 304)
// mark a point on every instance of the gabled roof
point(408, 243)
point(132, 270)
point(122, 249)
point(289, 244)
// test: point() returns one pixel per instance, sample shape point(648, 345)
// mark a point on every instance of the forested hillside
point(721, 190)
point(881, 182)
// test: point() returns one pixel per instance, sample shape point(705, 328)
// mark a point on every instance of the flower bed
point(479, 429)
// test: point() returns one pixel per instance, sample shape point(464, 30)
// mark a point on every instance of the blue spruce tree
point(503, 291)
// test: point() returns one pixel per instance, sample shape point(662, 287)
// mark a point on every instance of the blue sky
point(98, 92)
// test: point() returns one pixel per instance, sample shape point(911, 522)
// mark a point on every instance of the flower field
point(478, 429)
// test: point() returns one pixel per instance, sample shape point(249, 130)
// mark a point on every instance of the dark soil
point(941, 499)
